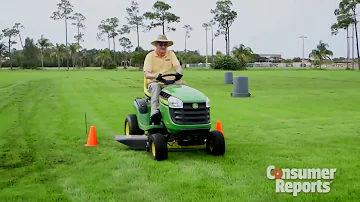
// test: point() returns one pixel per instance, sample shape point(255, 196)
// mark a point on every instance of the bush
point(112, 65)
point(30, 64)
point(227, 63)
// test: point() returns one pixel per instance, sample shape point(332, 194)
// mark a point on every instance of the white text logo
point(322, 176)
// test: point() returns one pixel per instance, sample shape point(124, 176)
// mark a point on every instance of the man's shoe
point(155, 118)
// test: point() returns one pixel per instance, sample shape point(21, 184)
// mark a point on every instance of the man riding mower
point(172, 115)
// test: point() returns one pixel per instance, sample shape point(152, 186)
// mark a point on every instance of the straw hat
point(162, 38)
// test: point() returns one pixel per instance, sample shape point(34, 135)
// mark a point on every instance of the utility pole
point(206, 38)
point(353, 48)
point(212, 41)
point(303, 48)
point(347, 47)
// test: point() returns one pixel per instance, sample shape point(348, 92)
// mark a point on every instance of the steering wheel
point(168, 81)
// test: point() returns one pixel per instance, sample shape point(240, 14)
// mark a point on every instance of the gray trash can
point(241, 87)
point(228, 78)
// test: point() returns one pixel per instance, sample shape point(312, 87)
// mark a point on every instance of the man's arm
point(176, 63)
point(148, 67)
point(149, 75)
point(178, 69)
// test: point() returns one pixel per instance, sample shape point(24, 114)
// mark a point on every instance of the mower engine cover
point(184, 108)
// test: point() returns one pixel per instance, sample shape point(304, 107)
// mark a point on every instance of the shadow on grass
point(198, 155)
point(175, 155)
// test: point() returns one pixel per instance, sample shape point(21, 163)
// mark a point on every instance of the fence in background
point(277, 65)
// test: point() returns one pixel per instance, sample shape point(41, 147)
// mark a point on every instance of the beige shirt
point(155, 64)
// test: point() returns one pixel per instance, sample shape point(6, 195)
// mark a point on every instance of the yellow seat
point(146, 92)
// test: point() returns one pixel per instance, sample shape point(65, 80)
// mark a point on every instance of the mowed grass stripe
point(30, 142)
point(294, 119)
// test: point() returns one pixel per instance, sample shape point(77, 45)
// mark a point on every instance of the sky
point(267, 27)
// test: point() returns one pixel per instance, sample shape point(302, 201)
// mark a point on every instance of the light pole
point(206, 29)
point(303, 48)
point(353, 48)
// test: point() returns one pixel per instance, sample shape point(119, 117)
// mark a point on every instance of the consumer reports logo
point(316, 179)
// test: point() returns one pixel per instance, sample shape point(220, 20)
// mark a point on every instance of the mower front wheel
point(158, 147)
point(131, 126)
point(215, 144)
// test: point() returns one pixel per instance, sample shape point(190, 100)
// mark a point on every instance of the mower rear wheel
point(131, 126)
point(158, 147)
point(215, 144)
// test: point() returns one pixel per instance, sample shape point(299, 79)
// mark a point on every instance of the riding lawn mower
point(185, 123)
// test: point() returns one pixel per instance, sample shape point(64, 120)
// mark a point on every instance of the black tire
point(215, 144)
point(133, 129)
point(158, 147)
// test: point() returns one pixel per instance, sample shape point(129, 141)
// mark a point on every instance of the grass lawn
point(295, 119)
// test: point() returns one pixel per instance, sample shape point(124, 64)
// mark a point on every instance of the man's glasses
point(162, 44)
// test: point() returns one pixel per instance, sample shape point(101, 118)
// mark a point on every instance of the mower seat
point(146, 92)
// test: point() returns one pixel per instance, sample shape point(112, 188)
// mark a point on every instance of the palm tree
point(242, 53)
point(58, 52)
point(72, 49)
point(344, 20)
point(43, 44)
point(349, 6)
point(3, 49)
point(83, 54)
point(321, 52)
point(335, 30)
point(103, 56)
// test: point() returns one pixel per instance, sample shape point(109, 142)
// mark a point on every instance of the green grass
point(295, 119)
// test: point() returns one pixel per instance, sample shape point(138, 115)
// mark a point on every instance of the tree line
point(43, 53)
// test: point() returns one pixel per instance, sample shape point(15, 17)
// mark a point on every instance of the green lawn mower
point(185, 123)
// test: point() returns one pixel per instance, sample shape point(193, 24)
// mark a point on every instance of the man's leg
point(155, 89)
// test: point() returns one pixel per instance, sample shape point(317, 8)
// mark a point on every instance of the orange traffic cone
point(219, 127)
point(92, 140)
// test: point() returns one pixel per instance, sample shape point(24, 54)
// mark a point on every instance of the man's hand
point(158, 77)
point(178, 76)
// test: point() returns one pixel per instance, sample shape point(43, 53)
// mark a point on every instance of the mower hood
point(185, 93)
